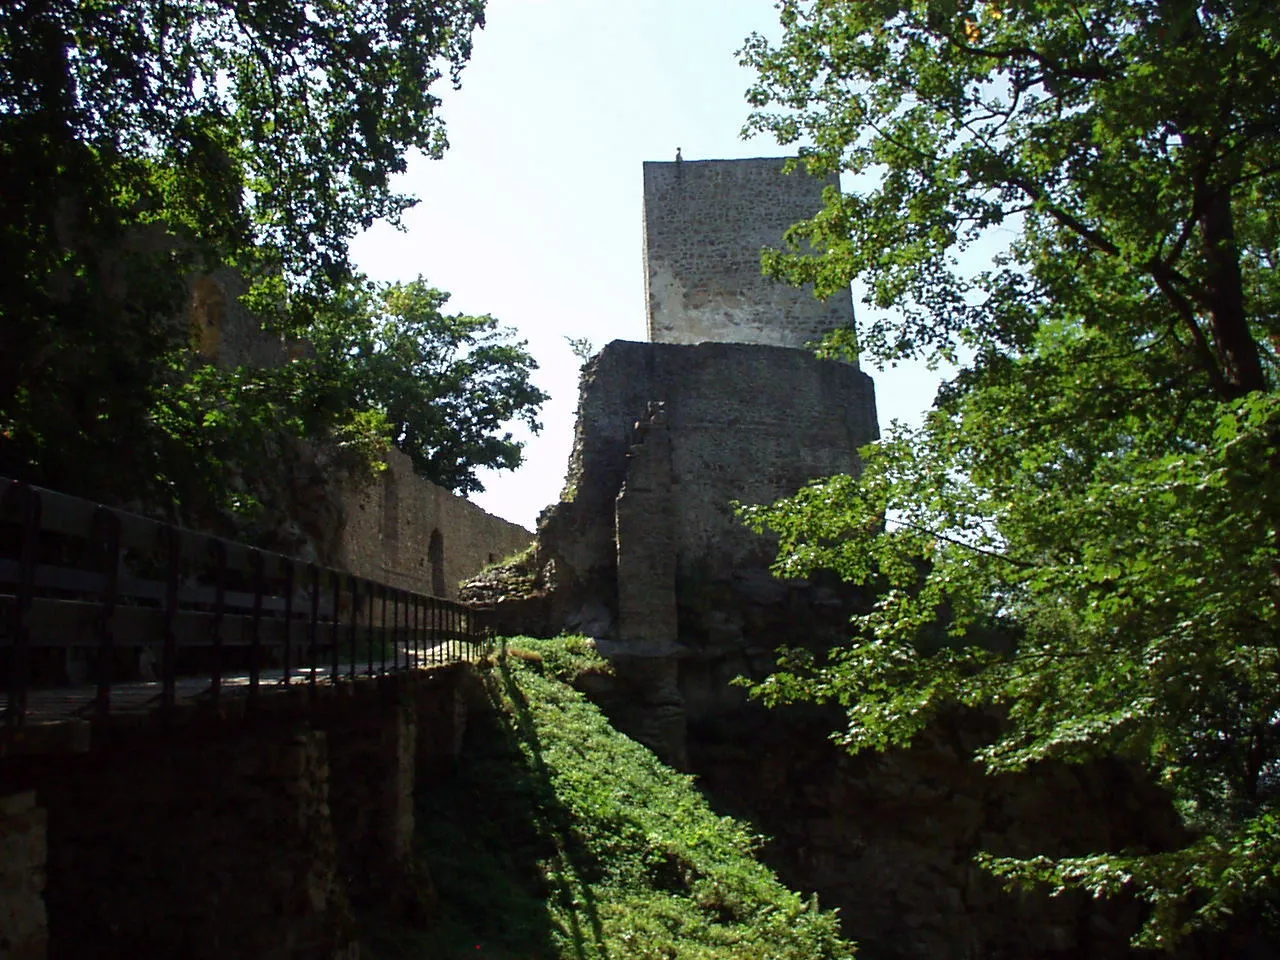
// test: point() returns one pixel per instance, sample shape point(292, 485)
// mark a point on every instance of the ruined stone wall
point(244, 837)
point(204, 850)
point(24, 931)
point(646, 553)
point(395, 527)
point(224, 331)
point(746, 423)
point(705, 223)
point(408, 532)
point(644, 522)
point(890, 838)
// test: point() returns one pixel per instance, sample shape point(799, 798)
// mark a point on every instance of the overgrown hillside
point(559, 837)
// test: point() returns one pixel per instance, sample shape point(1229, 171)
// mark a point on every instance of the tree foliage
point(445, 384)
point(1099, 485)
point(142, 142)
point(382, 366)
point(271, 124)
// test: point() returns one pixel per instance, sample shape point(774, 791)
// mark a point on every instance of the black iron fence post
point(27, 503)
point(335, 629)
point(288, 623)
point(106, 537)
point(169, 653)
point(369, 632)
point(257, 571)
point(352, 629)
point(218, 550)
point(313, 627)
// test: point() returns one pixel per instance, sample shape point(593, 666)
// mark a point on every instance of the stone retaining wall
point(23, 855)
point(889, 839)
point(247, 839)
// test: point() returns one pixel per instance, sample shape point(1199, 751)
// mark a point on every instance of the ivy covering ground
point(559, 837)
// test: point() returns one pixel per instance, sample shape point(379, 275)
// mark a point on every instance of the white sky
point(534, 214)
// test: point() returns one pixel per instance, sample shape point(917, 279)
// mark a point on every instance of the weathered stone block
point(406, 531)
point(706, 222)
point(745, 423)
point(23, 854)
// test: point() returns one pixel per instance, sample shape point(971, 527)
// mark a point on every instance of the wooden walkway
point(61, 719)
point(83, 585)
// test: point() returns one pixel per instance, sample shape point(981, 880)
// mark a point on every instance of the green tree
point(445, 384)
point(382, 366)
point(1099, 485)
point(139, 141)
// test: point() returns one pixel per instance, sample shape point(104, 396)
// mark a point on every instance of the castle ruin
point(645, 553)
point(393, 526)
point(705, 223)
point(722, 406)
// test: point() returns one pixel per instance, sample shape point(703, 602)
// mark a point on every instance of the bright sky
point(534, 214)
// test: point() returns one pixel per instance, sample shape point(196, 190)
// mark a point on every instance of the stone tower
point(705, 222)
point(646, 552)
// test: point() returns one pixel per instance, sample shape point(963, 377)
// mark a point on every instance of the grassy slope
point(561, 838)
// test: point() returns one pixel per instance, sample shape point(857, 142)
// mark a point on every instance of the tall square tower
point(705, 223)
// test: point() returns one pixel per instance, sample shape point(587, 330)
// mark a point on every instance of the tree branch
point(1021, 564)
point(1090, 72)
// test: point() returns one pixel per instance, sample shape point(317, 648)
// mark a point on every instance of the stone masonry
point(646, 554)
point(705, 223)
point(648, 612)
point(403, 530)
point(744, 423)
point(245, 834)
point(395, 526)
point(23, 856)
point(645, 523)
point(225, 332)
point(646, 551)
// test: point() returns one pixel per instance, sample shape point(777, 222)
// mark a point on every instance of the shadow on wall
point(390, 514)
point(486, 831)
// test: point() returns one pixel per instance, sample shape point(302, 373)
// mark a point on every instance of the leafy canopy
point(141, 142)
point(1083, 533)
point(382, 366)
point(445, 384)
point(270, 124)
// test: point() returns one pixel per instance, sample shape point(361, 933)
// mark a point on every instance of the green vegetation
point(520, 559)
point(512, 576)
point(1100, 482)
point(558, 837)
point(443, 384)
point(144, 143)
point(582, 348)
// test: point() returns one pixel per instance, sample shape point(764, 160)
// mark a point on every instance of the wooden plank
point(74, 517)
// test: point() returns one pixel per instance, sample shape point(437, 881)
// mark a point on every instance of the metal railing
point(138, 614)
